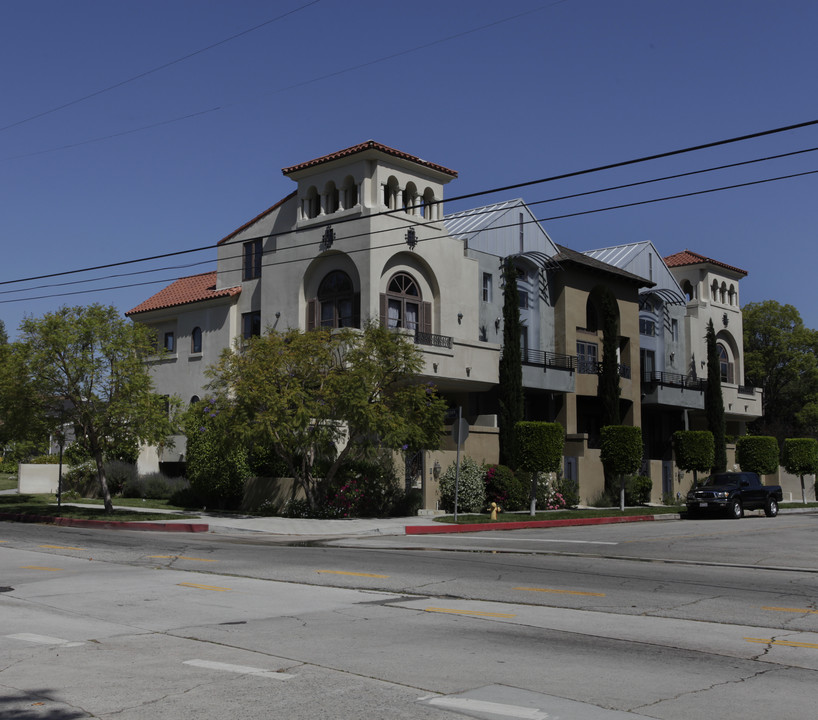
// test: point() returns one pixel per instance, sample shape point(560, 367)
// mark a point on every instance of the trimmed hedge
point(621, 449)
point(757, 453)
point(540, 446)
point(695, 449)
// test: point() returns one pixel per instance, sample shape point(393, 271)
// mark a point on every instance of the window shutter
point(426, 317)
point(312, 308)
point(356, 310)
point(383, 310)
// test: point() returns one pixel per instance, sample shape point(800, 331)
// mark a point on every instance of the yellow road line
point(205, 587)
point(60, 547)
point(477, 613)
point(792, 610)
point(39, 567)
point(356, 574)
point(182, 557)
point(788, 643)
point(561, 592)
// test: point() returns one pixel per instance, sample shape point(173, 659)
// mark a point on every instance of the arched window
point(350, 193)
point(312, 203)
point(332, 195)
point(194, 399)
point(337, 301)
point(196, 340)
point(723, 293)
point(731, 295)
point(410, 196)
point(687, 289)
point(725, 365)
point(403, 302)
point(426, 208)
point(714, 291)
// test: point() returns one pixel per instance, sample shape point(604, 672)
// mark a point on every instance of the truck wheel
point(735, 510)
point(771, 507)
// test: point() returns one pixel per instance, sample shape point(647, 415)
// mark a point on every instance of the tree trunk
point(103, 483)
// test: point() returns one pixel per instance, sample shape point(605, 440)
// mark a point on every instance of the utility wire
point(151, 72)
point(341, 221)
point(437, 237)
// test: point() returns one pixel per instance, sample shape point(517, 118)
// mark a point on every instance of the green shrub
point(118, 474)
point(757, 453)
point(217, 463)
point(605, 499)
point(569, 489)
point(408, 503)
point(471, 496)
point(539, 446)
point(81, 479)
point(45, 460)
point(372, 488)
point(8, 466)
point(504, 488)
point(695, 450)
point(154, 486)
point(637, 490)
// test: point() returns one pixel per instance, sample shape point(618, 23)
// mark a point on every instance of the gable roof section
point(362, 147)
point(257, 218)
point(568, 256)
point(688, 257)
point(633, 257)
point(468, 224)
point(184, 291)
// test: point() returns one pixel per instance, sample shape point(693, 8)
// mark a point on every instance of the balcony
point(544, 370)
point(440, 341)
point(663, 389)
point(545, 359)
point(594, 367)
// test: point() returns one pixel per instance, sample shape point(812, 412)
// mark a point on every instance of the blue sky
point(500, 92)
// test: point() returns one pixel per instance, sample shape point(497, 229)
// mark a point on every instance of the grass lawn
point(46, 506)
point(464, 519)
point(7, 481)
point(468, 518)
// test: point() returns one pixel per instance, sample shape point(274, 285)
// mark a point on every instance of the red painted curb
point(479, 527)
point(108, 524)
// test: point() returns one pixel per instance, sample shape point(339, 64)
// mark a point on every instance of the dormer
point(366, 179)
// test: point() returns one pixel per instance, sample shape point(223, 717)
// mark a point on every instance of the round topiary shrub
point(471, 495)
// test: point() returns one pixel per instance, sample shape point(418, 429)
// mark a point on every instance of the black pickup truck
point(732, 493)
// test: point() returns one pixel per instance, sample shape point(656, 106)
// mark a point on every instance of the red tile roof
point(368, 145)
point(688, 257)
point(185, 290)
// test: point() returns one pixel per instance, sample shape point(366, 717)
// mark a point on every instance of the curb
point(108, 524)
point(567, 522)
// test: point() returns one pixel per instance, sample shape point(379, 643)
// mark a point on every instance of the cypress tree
point(714, 403)
point(511, 367)
point(608, 389)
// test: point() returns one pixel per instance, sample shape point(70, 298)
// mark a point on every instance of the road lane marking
point(561, 592)
point(240, 669)
point(788, 643)
point(44, 639)
point(478, 613)
point(60, 547)
point(356, 574)
point(181, 557)
point(468, 705)
point(204, 587)
point(40, 567)
point(792, 610)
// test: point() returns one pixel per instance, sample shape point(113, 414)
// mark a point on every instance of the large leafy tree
point(781, 357)
point(323, 399)
point(512, 404)
point(714, 402)
point(22, 425)
point(87, 367)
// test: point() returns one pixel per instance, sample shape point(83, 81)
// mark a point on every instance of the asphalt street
point(663, 620)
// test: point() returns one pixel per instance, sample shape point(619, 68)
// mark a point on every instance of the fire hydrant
point(495, 508)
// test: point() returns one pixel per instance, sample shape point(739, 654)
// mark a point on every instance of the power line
point(141, 75)
point(529, 183)
point(435, 237)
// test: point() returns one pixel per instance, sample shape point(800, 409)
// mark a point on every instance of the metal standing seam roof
point(194, 288)
point(568, 255)
point(470, 222)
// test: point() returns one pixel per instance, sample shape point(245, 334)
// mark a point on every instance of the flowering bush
point(471, 496)
point(503, 487)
